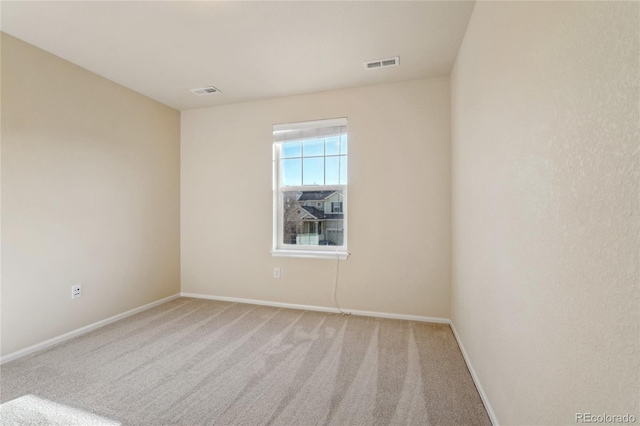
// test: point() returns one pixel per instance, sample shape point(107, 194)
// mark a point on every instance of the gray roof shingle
point(319, 214)
point(315, 195)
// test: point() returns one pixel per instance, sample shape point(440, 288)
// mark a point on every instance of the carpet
point(31, 410)
point(203, 362)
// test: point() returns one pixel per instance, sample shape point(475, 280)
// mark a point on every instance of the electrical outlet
point(276, 272)
point(75, 292)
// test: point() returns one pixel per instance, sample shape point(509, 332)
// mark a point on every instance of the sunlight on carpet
point(31, 410)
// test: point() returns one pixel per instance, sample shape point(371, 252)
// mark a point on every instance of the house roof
point(315, 195)
point(319, 214)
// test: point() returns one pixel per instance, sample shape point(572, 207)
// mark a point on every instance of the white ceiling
point(249, 50)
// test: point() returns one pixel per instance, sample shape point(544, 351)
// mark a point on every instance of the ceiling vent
point(205, 90)
point(382, 63)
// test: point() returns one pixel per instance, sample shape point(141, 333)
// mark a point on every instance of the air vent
point(205, 90)
point(382, 63)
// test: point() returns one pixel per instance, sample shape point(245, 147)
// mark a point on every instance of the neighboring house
point(315, 218)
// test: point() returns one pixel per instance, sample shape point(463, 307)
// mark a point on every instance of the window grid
point(342, 142)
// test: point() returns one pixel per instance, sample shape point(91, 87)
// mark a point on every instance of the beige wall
point(399, 201)
point(90, 196)
point(546, 207)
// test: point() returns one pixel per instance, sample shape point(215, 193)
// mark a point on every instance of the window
point(310, 189)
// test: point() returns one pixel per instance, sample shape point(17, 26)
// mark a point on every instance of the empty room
point(320, 213)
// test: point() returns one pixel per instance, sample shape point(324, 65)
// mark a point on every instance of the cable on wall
point(335, 286)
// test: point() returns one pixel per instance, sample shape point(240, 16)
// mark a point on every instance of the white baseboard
point(82, 330)
point(319, 308)
point(474, 376)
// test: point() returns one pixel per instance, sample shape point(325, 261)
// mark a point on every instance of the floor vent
point(382, 63)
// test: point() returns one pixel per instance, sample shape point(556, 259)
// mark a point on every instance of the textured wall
point(399, 200)
point(90, 196)
point(545, 130)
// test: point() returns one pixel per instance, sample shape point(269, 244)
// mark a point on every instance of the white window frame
point(294, 250)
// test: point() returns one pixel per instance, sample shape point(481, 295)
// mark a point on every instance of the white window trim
point(292, 250)
point(339, 255)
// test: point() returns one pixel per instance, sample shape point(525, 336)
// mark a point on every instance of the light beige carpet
point(34, 411)
point(200, 362)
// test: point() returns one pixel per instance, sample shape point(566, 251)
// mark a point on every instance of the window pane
point(332, 145)
point(314, 147)
point(292, 172)
point(343, 170)
point(291, 149)
point(312, 226)
point(343, 144)
point(292, 212)
point(332, 170)
point(313, 173)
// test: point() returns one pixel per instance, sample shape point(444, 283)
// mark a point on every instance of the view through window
point(310, 166)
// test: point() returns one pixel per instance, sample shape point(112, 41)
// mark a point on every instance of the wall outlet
point(276, 272)
point(76, 292)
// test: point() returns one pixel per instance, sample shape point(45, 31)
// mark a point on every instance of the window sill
point(309, 254)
